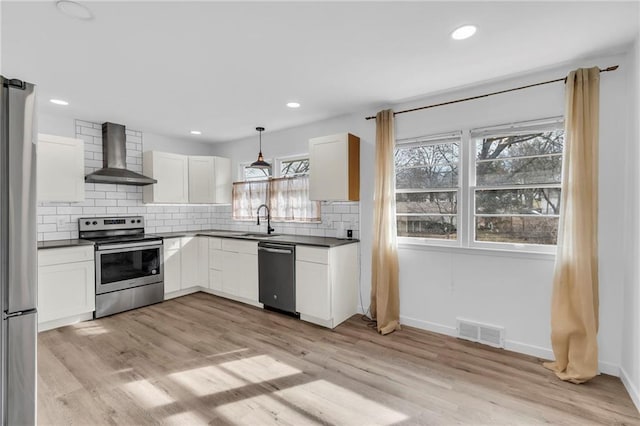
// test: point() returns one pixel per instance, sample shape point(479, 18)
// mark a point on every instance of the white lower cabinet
point(327, 283)
point(185, 265)
point(66, 286)
point(233, 269)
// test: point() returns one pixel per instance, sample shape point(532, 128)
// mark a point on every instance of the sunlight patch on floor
point(148, 395)
point(339, 405)
point(233, 374)
point(260, 368)
point(90, 330)
point(206, 380)
point(185, 418)
point(264, 410)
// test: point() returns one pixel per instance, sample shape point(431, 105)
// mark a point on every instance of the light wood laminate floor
point(200, 359)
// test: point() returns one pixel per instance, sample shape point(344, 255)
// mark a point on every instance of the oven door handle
point(141, 244)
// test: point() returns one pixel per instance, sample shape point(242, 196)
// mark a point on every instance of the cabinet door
point(223, 180)
point(172, 266)
point(172, 174)
point(188, 262)
point(313, 293)
point(65, 290)
point(328, 172)
point(202, 185)
point(203, 261)
point(240, 275)
point(60, 169)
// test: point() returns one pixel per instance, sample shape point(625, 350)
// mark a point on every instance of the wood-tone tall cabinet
point(334, 168)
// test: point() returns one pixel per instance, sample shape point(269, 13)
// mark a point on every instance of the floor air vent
point(481, 333)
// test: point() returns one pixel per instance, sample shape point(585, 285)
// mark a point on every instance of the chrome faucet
point(269, 228)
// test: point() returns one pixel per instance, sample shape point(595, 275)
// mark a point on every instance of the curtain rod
point(611, 68)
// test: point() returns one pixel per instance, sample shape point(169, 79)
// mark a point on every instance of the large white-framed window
point(494, 188)
point(516, 185)
point(428, 188)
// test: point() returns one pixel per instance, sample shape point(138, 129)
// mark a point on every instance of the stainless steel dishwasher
point(277, 276)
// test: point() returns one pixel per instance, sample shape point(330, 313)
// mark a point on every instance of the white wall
point(61, 125)
point(630, 360)
point(511, 290)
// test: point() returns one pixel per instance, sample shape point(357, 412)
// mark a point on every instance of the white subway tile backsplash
point(60, 220)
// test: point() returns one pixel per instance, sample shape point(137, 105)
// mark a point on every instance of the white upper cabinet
point(223, 180)
point(60, 169)
point(202, 179)
point(334, 168)
point(187, 179)
point(209, 180)
point(172, 173)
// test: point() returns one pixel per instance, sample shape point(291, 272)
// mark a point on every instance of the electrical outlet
point(61, 222)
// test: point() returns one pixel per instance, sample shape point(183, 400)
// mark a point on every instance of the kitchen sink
point(258, 235)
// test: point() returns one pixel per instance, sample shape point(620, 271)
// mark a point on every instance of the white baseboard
point(429, 326)
point(510, 345)
point(631, 388)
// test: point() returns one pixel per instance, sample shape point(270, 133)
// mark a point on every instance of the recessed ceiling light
point(58, 102)
point(195, 132)
point(463, 32)
point(74, 10)
point(293, 104)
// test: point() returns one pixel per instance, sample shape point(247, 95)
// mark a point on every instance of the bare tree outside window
point(427, 189)
point(294, 168)
point(518, 186)
point(256, 174)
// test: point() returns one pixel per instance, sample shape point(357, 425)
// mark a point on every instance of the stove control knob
point(87, 223)
point(95, 222)
point(138, 220)
point(133, 221)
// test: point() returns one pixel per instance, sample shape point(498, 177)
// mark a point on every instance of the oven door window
point(128, 265)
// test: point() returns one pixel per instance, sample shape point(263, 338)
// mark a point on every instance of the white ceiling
point(224, 68)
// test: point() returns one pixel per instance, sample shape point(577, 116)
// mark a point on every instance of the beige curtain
point(247, 197)
point(385, 304)
point(574, 306)
point(289, 200)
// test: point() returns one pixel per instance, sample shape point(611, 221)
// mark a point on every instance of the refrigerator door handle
point(19, 222)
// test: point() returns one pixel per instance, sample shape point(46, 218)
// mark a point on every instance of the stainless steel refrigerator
point(18, 252)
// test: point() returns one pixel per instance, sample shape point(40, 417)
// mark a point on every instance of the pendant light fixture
point(260, 163)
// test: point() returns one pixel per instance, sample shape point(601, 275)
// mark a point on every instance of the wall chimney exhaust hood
point(114, 150)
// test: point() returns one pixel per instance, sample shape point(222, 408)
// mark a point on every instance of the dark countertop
point(63, 243)
point(307, 240)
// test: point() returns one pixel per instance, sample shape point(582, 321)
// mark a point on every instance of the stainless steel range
point(129, 263)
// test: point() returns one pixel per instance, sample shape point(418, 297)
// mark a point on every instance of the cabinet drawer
point(312, 254)
point(215, 243)
point(239, 246)
point(171, 243)
point(55, 256)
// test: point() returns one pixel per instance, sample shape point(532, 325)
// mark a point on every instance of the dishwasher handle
point(275, 250)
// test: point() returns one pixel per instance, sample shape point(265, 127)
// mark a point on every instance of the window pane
point(531, 201)
point(517, 229)
point(511, 171)
point(256, 174)
point(427, 202)
point(428, 166)
point(517, 146)
point(294, 168)
point(441, 227)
